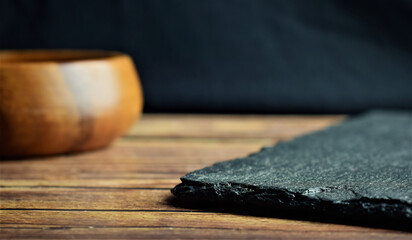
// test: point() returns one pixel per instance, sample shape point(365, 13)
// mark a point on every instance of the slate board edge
point(249, 195)
point(238, 196)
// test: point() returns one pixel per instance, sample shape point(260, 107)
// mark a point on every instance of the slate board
point(360, 168)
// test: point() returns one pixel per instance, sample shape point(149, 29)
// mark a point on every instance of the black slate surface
point(359, 169)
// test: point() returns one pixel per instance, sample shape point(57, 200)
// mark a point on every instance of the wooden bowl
point(65, 101)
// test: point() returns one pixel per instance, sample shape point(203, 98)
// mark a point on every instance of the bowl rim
point(59, 56)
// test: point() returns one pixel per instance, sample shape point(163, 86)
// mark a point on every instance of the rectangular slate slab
point(360, 168)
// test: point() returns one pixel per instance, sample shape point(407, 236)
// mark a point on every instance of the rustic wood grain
point(122, 192)
point(186, 233)
point(86, 198)
point(140, 218)
point(125, 161)
point(230, 126)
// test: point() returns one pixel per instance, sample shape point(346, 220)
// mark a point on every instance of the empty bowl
point(65, 101)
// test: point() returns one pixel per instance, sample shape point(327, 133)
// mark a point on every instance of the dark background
point(233, 56)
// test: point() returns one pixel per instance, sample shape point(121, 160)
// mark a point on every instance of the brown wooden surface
point(122, 192)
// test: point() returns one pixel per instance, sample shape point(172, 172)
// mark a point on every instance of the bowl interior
point(22, 56)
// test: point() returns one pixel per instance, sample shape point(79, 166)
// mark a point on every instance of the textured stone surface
point(362, 168)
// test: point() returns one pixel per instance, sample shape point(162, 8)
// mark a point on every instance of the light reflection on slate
point(360, 168)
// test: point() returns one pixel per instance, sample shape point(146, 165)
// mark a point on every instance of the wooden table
point(123, 191)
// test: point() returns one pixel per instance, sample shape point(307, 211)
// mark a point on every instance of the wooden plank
point(231, 126)
point(155, 149)
point(121, 163)
point(86, 198)
point(52, 218)
point(148, 180)
point(189, 233)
